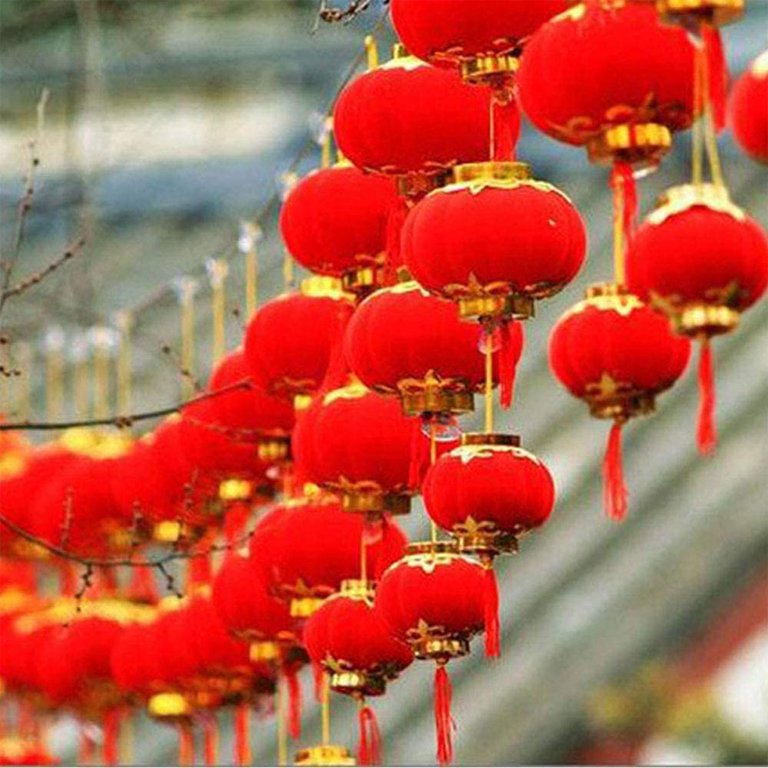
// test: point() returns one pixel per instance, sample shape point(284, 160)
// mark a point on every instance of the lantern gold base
point(174, 531)
point(434, 399)
point(717, 12)
point(375, 503)
point(275, 449)
point(439, 648)
point(642, 145)
point(622, 406)
point(492, 170)
point(325, 754)
point(490, 438)
point(482, 307)
point(356, 682)
point(265, 651)
point(493, 70)
point(303, 607)
point(363, 280)
point(169, 706)
point(706, 320)
point(414, 186)
point(485, 544)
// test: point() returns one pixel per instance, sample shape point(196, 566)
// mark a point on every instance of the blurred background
point(169, 123)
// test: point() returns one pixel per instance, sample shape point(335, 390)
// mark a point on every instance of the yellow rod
point(288, 277)
point(372, 52)
point(100, 373)
point(217, 274)
point(249, 235)
point(488, 383)
point(618, 233)
point(710, 132)
point(326, 710)
point(432, 460)
point(124, 322)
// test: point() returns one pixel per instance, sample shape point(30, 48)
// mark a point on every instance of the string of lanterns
point(430, 245)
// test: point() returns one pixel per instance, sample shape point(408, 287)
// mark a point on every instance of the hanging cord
point(432, 460)
point(218, 269)
point(488, 340)
point(326, 710)
point(622, 183)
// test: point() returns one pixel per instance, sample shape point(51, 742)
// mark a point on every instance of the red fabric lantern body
point(432, 600)
point(306, 548)
point(702, 261)
point(494, 241)
point(309, 223)
point(290, 341)
point(413, 121)
point(347, 638)
point(404, 341)
point(748, 109)
point(614, 352)
point(632, 88)
point(357, 444)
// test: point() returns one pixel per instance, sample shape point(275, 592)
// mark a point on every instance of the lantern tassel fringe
point(186, 745)
point(395, 221)
point(243, 735)
point(111, 727)
point(211, 740)
point(614, 488)
point(419, 456)
point(294, 704)
point(444, 723)
point(369, 747)
point(506, 367)
point(503, 115)
point(491, 614)
point(706, 433)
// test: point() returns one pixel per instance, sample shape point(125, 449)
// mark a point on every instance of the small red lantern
point(347, 638)
point(308, 546)
point(290, 341)
point(702, 261)
point(334, 222)
point(748, 109)
point(615, 353)
point(358, 444)
point(632, 88)
point(432, 600)
point(403, 341)
point(414, 122)
point(454, 246)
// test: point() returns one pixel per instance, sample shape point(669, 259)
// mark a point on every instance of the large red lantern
point(334, 222)
point(495, 241)
point(403, 341)
point(632, 88)
point(748, 109)
point(702, 261)
point(615, 353)
point(357, 444)
point(432, 600)
point(290, 341)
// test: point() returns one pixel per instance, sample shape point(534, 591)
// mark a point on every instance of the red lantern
point(615, 353)
point(406, 342)
point(748, 110)
point(632, 88)
point(358, 444)
point(313, 211)
point(702, 261)
point(290, 341)
point(308, 546)
point(454, 246)
point(412, 121)
point(432, 600)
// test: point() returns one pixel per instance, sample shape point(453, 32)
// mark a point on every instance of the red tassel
point(369, 747)
point(503, 115)
point(491, 614)
point(111, 728)
point(706, 433)
point(143, 587)
point(507, 367)
point(443, 721)
point(186, 745)
point(395, 221)
point(243, 735)
point(210, 739)
point(717, 73)
point(614, 489)
point(199, 570)
point(294, 704)
point(419, 456)
point(622, 174)
point(319, 677)
point(235, 522)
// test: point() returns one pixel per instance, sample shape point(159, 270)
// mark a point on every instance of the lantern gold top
point(496, 170)
point(680, 198)
point(490, 438)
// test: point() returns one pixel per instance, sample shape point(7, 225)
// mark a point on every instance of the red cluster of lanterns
point(429, 245)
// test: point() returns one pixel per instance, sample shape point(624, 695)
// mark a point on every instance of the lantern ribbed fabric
point(631, 69)
point(748, 109)
point(335, 220)
point(617, 354)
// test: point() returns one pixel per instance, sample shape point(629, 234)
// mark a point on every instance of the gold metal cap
point(499, 170)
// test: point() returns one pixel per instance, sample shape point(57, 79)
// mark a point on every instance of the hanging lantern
point(455, 247)
point(414, 122)
point(432, 600)
point(403, 341)
point(334, 222)
point(632, 88)
point(615, 353)
point(308, 546)
point(702, 261)
point(357, 444)
point(347, 638)
point(747, 109)
point(291, 340)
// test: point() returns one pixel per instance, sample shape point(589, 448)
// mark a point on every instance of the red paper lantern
point(358, 444)
point(748, 109)
point(334, 222)
point(615, 353)
point(290, 342)
point(307, 547)
point(632, 88)
point(412, 121)
point(403, 341)
point(702, 261)
point(455, 247)
point(432, 600)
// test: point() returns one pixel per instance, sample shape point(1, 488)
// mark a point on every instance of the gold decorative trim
point(436, 643)
point(484, 540)
point(324, 754)
point(275, 448)
point(304, 607)
point(609, 399)
point(706, 319)
point(718, 12)
point(491, 170)
point(467, 453)
point(490, 438)
point(169, 705)
point(324, 286)
point(434, 394)
point(353, 390)
point(641, 145)
point(606, 297)
point(678, 199)
point(489, 69)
